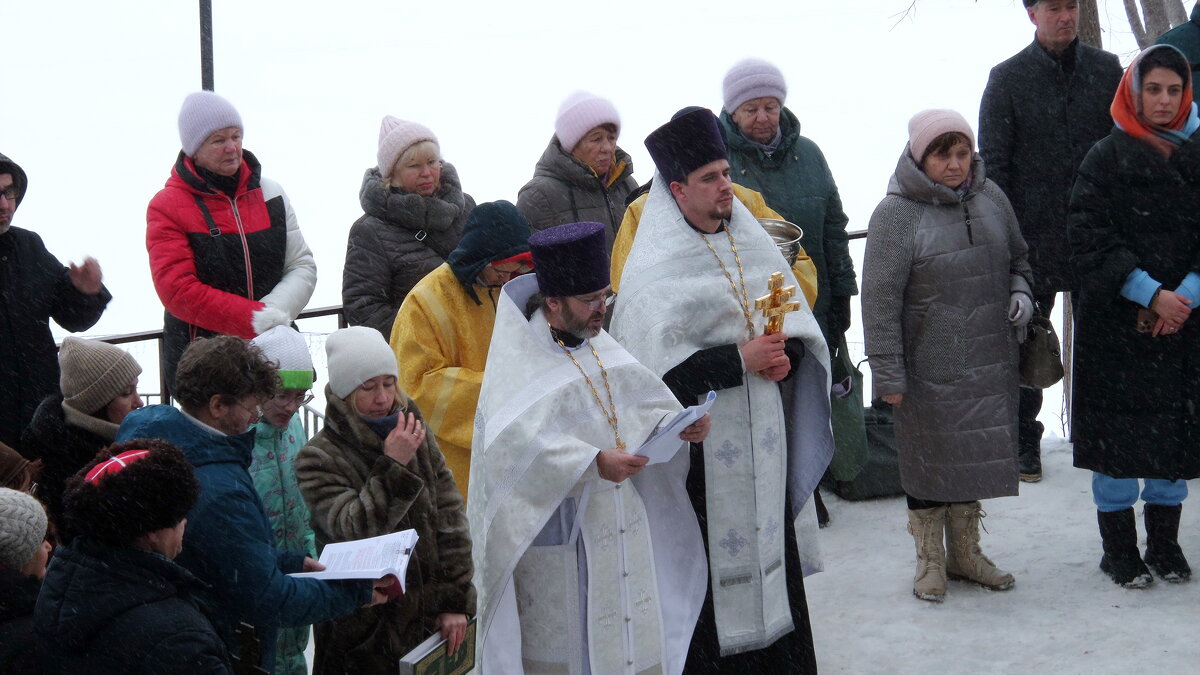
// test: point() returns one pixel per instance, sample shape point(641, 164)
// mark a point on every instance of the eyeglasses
point(521, 269)
point(10, 193)
point(256, 410)
point(607, 300)
point(296, 399)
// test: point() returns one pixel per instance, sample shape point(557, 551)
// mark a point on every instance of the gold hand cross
point(775, 303)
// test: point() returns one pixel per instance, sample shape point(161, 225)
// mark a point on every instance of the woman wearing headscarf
point(1136, 251)
point(372, 470)
point(583, 176)
point(413, 214)
point(226, 252)
point(946, 296)
point(98, 388)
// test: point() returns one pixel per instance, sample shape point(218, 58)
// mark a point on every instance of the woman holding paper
point(372, 470)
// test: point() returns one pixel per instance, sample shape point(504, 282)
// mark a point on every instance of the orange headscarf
point(1127, 111)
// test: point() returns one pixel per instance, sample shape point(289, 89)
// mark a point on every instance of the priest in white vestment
point(687, 311)
point(587, 560)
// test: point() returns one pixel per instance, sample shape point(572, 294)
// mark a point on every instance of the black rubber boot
point(1163, 554)
point(1121, 561)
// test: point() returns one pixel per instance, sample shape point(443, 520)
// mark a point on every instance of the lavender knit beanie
point(752, 78)
point(927, 125)
point(395, 136)
point(580, 113)
point(202, 113)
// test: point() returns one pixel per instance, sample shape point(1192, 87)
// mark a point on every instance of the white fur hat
point(355, 355)
point(580, 113)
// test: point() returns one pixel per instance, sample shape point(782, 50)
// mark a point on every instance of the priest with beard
point(587, 558)
point(687, 311)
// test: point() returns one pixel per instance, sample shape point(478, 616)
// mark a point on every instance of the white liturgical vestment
point(675, 300)
point(559, 552)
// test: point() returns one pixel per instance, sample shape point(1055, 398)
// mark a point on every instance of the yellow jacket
point(806, 272)
point(441, 340)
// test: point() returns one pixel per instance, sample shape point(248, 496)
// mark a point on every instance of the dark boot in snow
point(822, 510)
point(1163, 554)
point(1029, 464)
point(1121, 561)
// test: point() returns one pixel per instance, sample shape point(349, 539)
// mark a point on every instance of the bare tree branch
point(1135, 23)
point(1176, 12)
point(1155, 13)
point(1089, 24)
point(908, 13)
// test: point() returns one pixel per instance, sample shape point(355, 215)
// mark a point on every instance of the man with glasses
point(222, 384)
point(687, 310)
point(35, 287)
point(444, 326)
point(278, 437)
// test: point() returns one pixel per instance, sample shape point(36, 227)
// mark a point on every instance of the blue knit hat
point(686, 143)
point(570, 259)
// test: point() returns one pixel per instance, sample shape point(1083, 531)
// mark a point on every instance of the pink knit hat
point(927, 125)
point(395, 135)
point(581, 113)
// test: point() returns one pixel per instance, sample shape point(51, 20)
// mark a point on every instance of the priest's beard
point(577, 324)
point(721, 213)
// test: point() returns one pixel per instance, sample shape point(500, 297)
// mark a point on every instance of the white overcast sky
point(91, 91)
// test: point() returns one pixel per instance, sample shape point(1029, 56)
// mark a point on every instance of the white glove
point(1020, 309)
point(267, 318)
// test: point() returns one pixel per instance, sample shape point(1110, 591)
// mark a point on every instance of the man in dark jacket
point(35, 287)
point(1041, 112)
point(229, 543)
point(113, 600)
point(1186, 38)
point(768, 154)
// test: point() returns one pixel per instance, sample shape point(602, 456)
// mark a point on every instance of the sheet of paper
point(664, 443)
point(371, 558)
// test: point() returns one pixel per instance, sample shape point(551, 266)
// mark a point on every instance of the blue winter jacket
point(228, 541)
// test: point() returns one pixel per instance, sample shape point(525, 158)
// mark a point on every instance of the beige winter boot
point(965, 560)
point(926, 527)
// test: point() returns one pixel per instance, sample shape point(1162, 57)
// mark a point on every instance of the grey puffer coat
point(565, 190)
point(399, 239)
point(937, 278)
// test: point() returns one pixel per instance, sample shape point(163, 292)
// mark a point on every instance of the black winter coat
point(18, 594)
point(1136, 397)
point(63, 448)
point(1037, 120)
point(34, 287)
point(123, 611)
point(399, 239)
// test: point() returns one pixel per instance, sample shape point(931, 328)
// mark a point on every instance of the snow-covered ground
point(1063, 615)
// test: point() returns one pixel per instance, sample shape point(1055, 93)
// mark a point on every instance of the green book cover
point(430, 657)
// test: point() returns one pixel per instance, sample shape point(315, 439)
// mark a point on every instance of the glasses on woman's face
point(297, 399)
point(510, 270)
point(256, 411)
point(593, 304)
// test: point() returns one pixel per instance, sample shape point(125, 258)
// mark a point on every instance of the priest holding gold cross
point(690, 310)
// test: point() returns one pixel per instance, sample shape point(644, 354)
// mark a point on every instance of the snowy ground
point(1063, 615)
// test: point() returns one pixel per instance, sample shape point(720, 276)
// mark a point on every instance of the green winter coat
point(1186, 38)
point(796, 181)
point(274, 478)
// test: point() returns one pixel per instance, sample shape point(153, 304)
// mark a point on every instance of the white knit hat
point(927, 125)
point(202, 113)
point(395, 135)
point(355, 355)
point(580, 113)
point(93, 373)
point(752, 78)
point(22, 528)
point(286, 347)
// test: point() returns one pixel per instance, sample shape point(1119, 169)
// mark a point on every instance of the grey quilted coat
point(565, 190)
point(937, 277)
point(399, 239)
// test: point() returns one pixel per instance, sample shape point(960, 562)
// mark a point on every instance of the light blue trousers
point(1117, 494)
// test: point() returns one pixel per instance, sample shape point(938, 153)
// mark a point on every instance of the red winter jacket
point(225, 266)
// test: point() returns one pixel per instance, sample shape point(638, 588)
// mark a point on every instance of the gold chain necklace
point(611, 411)
point(743, 297)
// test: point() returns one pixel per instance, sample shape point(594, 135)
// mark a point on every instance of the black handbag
point(1041, 355)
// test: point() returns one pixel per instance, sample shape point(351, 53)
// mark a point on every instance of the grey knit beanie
point(355, 355)
point(22, 528)
point(93, 373)
point(202, 113)
point(752, 78)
